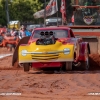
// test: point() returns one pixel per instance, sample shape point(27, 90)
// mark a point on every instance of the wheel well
point(15, 54)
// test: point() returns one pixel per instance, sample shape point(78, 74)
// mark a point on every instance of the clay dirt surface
point(41, 85)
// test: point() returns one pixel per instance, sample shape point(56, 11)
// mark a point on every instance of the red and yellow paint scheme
point(54, 47)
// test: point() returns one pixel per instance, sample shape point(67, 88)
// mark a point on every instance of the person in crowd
point(72, 19)
point(2, 33)
point(28, 32)
point(13, 32)
point(24, 32)
point(10, 41)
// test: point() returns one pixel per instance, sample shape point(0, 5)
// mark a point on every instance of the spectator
point(13, 32)
point(72, 19)
point(28, 33)
point(24, 32)
point(1, 36)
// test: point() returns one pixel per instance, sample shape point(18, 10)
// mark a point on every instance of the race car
point(50, 47)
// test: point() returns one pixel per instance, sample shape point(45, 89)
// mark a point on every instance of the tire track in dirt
point(71, 85)
point(83, 83)
point(93, 81)
point(49, 86)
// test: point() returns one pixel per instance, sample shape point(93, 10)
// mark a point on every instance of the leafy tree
point(23, 10)
point(2, 13)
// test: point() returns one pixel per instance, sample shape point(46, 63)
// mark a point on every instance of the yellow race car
point(52, 47)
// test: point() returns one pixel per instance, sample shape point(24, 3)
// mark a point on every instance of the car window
point(57, 33)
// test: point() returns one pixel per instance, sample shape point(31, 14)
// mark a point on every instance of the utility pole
point(44, 12)
point(7, 11)
point(57, 15)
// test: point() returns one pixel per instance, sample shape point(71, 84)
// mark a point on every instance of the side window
point(61, 34)
point(71, 33)
point(36, 34)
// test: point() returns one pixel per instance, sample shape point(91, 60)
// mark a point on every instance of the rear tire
point(85, 64)
point(68, 66)
point(26, 67)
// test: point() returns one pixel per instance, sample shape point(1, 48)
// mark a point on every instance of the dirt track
point(38, 85)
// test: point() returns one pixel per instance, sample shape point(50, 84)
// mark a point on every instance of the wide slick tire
point(26, 67)
point(85, 64)
point(68, 66)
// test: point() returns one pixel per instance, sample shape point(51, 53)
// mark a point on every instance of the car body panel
point(46, 53)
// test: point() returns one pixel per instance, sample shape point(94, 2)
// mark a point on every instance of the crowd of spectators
point(12, 36)
point(22, 32)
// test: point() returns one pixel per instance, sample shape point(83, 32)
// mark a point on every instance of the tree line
point(23, 10)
